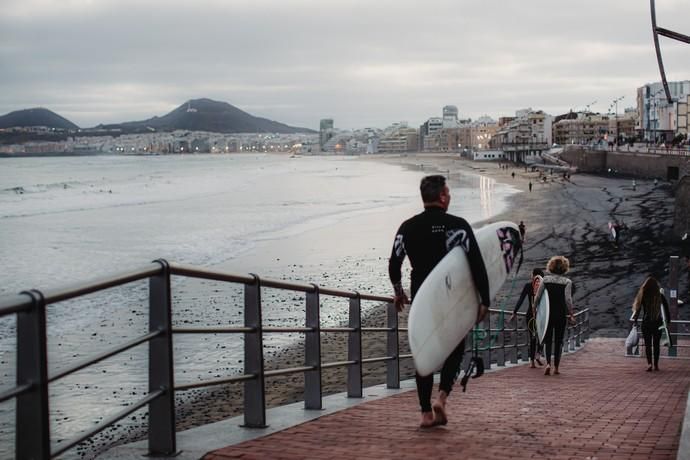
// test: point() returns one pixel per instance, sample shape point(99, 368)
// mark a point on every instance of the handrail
point(16, 391)
point(32, 396)
point(107, 422)
point(99, 284)
point(15, 304)
point(106, 354)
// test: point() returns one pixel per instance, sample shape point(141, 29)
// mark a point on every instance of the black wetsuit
point(650, 330)
point(425, 239)
point(560, 303)
point(529, 294)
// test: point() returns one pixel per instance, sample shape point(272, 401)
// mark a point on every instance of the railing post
point(486, 325)
point(501, 330)
point(161, 429)
point(312, 352)
point(514, 347)
point(392, 348)
point(354, 349)
point(254, 389)
point(673, 302)
point(32, 423)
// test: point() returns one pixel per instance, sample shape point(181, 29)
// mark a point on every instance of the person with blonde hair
point(560, 290)
point(649, 300)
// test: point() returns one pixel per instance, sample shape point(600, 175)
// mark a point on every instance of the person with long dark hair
point(560, 291)
point(649, 300)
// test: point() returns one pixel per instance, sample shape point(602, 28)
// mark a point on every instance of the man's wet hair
point(431, 187)
point(537, 271)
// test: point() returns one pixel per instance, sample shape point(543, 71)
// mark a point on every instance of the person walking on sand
point(560, 308)
point(425, 239)
point(530, 186)
point(521, 227)
point(528, 292)
point(649, 300)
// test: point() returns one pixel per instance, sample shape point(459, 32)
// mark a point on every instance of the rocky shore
point(562, 216)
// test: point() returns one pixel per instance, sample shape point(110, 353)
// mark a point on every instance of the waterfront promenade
point(603, 405)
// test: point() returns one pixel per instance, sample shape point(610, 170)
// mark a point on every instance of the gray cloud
point(364, 63)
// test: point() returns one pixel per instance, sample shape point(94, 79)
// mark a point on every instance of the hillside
point(36, 117)
point(207, 115)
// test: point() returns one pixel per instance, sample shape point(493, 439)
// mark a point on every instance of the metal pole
point(254, 389)
point(514, 352)
point(393, 348)
point(354, 350)
point(161, 427)
point(312, 352)
point(673, 301)
point(486, 325)
point(32, 415)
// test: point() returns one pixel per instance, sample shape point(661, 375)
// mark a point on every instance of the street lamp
point(653, 100)
point(615, 103)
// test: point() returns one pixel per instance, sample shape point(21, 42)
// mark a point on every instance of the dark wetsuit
point(425, 239)
point(529, 294)
point(651, 322)
point(560, 304)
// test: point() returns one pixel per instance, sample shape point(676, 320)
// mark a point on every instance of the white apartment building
point(658, 120)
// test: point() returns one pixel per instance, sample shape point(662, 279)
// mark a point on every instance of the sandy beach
point(566, 217)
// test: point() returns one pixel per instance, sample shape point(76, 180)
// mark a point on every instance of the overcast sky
point(361, 62)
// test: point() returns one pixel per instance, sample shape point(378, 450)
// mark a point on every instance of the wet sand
point(567, 217)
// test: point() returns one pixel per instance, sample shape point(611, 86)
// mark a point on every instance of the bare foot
point(555, 371)
point(547, 371)
point(427, 420)
point(440, 417)
point(532, 366)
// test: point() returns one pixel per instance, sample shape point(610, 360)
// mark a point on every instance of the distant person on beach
point(649, 300)
point(522, 231)
point(528, 292)
point(425, 239)
point(530, 186)
point(560, 308)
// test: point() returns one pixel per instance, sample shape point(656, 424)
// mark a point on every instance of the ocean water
point(63, 220)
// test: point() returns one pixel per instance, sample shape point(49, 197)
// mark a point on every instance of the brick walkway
point(602, 406)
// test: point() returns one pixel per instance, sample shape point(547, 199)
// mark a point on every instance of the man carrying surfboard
point(425, 239)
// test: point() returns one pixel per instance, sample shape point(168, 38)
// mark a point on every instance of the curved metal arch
point(666, 33)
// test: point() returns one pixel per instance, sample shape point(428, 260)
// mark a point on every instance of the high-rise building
point(325, 131)
point(658, 120)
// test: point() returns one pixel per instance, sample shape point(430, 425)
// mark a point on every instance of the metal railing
point(498, 344)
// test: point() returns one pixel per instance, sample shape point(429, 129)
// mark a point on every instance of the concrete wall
point(644, 165)
point(681, 218)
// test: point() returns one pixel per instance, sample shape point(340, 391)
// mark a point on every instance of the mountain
point(36, 117)
point(207, 115)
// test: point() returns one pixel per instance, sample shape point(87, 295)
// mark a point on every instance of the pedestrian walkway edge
point(194, 443)
point(684, 443)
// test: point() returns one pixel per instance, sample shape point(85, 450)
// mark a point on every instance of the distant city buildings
point(659, 120)
point(523, 137)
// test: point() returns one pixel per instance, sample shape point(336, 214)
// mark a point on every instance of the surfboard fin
point(476, 365)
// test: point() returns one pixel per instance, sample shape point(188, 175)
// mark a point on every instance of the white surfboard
point(665, 334)
point(541, 316)
point(612, 229)
point(445, 307)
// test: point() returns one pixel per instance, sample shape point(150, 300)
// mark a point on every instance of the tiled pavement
point(602, 406)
